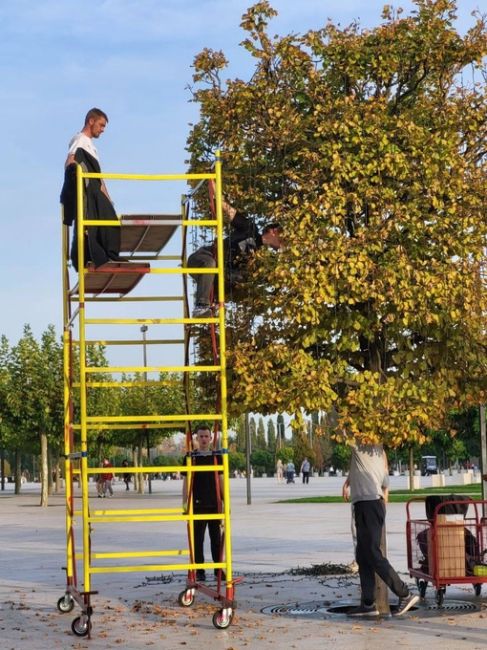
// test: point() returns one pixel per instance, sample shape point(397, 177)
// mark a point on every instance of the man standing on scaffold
point(244, 239)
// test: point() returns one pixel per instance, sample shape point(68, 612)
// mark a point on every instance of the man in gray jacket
point(367, 485)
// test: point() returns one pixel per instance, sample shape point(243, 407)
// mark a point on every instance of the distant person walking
point(290, 471)
point(107, 478)
point(279, 471)
point(127, 476)
point(305, 470)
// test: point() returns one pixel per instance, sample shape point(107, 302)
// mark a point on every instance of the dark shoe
point(222, 574)
point(364, 610)
point(405, 603)
point(200, 575)
point(202, 311)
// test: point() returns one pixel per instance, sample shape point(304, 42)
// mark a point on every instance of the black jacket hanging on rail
point(102, 244)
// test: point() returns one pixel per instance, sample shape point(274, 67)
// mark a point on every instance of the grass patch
point(401, 496)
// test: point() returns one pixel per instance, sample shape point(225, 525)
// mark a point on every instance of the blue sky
point(132, 58)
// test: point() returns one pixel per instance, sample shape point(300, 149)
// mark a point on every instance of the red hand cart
point(449, 545)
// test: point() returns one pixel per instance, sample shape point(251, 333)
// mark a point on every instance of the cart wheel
point(222, 618)
point(65, 604)
point(186, 598)
point(422, 586)
point(440, 595)
point(81, 626)
point(478, 589)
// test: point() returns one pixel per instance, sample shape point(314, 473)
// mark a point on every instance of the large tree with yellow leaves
point(369, 147)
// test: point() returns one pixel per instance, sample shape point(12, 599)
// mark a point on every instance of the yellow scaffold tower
point(98, 299)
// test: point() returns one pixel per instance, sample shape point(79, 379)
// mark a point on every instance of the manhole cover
point(449, 606)
point(312, 609)
point(324, 609)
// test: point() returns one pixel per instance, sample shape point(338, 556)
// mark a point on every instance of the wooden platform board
point(114, 277)
point(147, 233)
point(141, 234)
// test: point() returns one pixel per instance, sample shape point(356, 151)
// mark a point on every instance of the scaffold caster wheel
point(186, 598)
point(478, 589)
point(81, 625)
point(222, 618)
point(440, 596)
point(65, 604)
point(422, 586)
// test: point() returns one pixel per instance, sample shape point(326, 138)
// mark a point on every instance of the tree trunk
point(381, 590)
point(139, 463)
point(44, 472)
point(411, 469)
point(50, 472)
point(18, 472)
point(2, 467)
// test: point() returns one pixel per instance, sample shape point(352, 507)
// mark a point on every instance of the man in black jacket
point(244, 239)
point(206, 493)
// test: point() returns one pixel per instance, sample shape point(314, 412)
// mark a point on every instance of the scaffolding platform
point(147, 233)
point(90, 297)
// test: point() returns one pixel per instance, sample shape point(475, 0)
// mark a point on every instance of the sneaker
point(202, 311)
point(223, 577)
point(200, 575)
point(364, 610)
point(405, 603)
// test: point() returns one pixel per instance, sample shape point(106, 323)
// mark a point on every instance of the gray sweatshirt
point(368, 473)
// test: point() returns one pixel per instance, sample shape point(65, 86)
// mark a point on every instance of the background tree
point(240, 433)
point(271, 436)
point(152, 398)
point(262, 462)
point(281, 429)
point(252, 433)
point(371, 154)
point(302, 448)
point(6, 426)
point(261, 442)
point(237, 461)
point(35, 400)
point(286, 454)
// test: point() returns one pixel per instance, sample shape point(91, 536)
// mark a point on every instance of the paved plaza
point(139, 610)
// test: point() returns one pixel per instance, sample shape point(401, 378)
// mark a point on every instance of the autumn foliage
point(368, 146)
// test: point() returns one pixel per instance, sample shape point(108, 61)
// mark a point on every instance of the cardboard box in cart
point(450, 546)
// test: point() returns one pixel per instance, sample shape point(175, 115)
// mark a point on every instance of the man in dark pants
point(367, 484)
point(205, 501)
point(243, 241)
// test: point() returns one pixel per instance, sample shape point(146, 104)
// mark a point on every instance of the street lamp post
point(144, 329)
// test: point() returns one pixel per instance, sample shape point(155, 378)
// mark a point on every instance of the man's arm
point(228, 210)
point(346, 490)
point(71, 159)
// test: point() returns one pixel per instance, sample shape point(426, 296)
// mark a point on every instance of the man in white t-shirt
point(95, 123)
